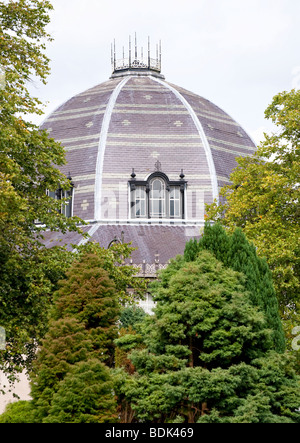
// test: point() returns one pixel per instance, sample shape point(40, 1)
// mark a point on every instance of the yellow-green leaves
point(263, 198)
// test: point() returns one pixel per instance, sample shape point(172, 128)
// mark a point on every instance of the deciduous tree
point(263, 199)
point(29, 162)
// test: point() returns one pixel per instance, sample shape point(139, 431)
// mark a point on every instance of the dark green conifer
point(206, 355)
point(236, 252)
point(85, 395)
point(82, 327)
point(90, 296)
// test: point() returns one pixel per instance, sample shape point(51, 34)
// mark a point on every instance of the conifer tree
point(66, 343)
point(236, 252)
point(82, 328)
point(243, 258)
point(85, 395)
point(206, 354)
point(89, 295)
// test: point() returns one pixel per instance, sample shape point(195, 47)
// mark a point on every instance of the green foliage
point(82, 328)
point(23, 36)
point(130, 316)
point(206, 308)
point(29, 162)
point(85, 395)
point(89, 296)
point(114, 261)
point(18, 412)
point(236, 252)
point(263, 200)
point(206, 354)
point(66, 344)
point(26, 288)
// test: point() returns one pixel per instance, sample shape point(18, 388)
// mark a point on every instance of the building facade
point(144, 157)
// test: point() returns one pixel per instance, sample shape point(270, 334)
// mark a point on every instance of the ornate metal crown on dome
point(135, 62)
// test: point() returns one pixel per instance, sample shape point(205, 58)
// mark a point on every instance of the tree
point(206, 353)
point(66, 343)
point(115, 263)
point(18, 412)
point(29, 162)
point(89, 296)
point(131, 315)
point(82, 329)
point(263, 199)
point(85, 395)
point(236, 252)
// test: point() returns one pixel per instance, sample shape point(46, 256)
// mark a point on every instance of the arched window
point(158, 197)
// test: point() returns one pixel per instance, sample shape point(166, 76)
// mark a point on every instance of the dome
point(145, 156)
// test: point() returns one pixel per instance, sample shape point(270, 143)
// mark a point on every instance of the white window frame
point(177, 201)
point(140, 196)
point(161, 200)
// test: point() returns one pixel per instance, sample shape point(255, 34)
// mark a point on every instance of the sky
point(236, 53)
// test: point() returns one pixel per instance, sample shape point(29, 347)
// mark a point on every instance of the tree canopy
point(206, 355)
point(236, 252)
point(263, 199)
point(82, 329)
point(29, 162)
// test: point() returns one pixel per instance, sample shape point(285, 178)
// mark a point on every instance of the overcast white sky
point(236, 53)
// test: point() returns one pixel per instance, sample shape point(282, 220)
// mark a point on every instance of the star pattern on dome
point(178, 123)
point(155, 154)
point(146, 124)
point(84, 205)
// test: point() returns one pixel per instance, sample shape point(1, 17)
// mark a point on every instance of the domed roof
point(133, 128)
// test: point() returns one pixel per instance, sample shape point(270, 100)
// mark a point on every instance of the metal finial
point(114, 54)
point(148, 52)
point(130, 51)
point(157, 166)
point(159, 54)
point(136, 59)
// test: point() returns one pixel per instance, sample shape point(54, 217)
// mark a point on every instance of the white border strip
point(209, 157)
point(91, 232)
point(102, 146)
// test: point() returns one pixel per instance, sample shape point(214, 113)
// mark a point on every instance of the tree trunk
point(204, 409)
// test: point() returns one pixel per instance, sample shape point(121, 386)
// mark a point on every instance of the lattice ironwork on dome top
point(136, 60)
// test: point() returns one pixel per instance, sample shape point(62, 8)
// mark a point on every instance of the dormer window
point(66, 207)
point(140, 202)
point(158, 197)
